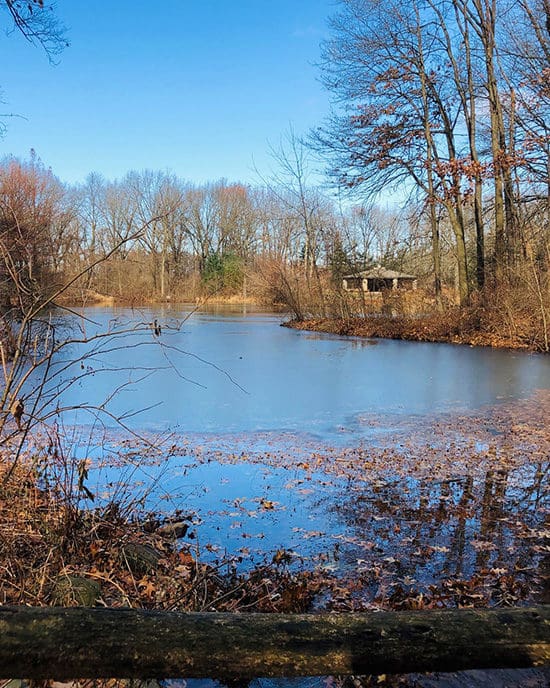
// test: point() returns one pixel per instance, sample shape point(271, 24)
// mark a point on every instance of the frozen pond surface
point(323, 446)
point(226, 371)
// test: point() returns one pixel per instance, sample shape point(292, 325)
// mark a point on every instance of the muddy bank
point(456, 327)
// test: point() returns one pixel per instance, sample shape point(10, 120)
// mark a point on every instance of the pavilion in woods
point(378, 279)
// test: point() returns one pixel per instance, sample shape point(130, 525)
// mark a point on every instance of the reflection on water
point(354, 342)
point(423, 532)
point(445, 515)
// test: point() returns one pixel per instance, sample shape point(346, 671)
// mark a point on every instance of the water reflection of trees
point(429, 531)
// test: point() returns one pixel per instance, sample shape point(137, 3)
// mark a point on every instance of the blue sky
point(197, 88)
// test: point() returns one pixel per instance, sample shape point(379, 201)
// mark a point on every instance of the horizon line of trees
point(156, 236)
point(163, 237)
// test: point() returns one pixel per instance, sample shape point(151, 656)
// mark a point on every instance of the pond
point(224, 371)
point(398, 465)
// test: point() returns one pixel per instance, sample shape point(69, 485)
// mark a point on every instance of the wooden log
point(63, 643)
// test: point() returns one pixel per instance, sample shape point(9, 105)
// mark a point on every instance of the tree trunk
point(504, 212)
point(457, 224)
point(436, 256)
point(65, 643)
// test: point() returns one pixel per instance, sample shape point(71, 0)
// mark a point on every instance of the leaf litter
point(440, 511)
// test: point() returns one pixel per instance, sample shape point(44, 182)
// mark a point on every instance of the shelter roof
point(379, 272)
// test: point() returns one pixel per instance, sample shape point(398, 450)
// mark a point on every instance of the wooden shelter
point(378, 279)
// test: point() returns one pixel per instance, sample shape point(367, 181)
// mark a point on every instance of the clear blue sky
point(195, 87)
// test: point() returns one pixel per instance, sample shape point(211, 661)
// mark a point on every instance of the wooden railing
point(65, 643)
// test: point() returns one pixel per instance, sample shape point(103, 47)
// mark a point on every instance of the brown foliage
point(30, 199)
point(514, 316)
point(50, 543)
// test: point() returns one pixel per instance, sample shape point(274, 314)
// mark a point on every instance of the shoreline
point(97, 299)
point(455, 328)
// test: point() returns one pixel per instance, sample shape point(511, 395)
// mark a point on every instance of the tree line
point(152, 235)
point(437, 156)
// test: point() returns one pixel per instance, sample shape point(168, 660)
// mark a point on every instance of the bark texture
point(63, 643)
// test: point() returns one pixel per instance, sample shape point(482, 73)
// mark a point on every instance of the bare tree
point(33, 339)
point(395, 126)
point(290, 182)
point(36, 21)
